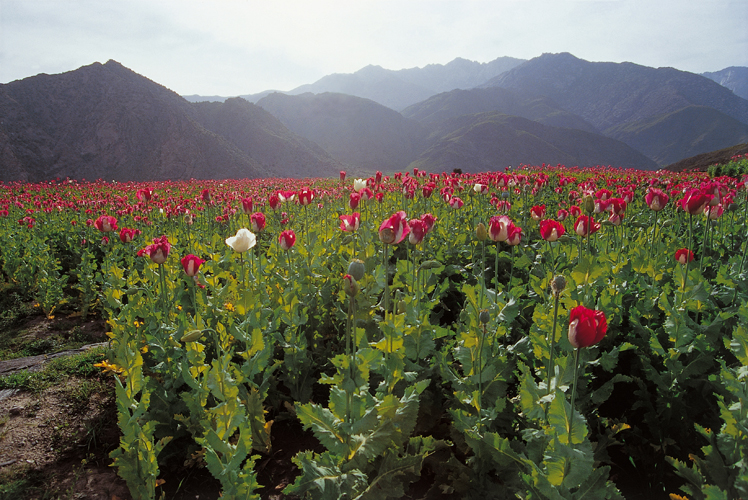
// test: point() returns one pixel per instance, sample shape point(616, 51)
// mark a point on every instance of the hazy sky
point(232, 47)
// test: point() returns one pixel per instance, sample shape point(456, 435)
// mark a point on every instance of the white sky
point(232, 47)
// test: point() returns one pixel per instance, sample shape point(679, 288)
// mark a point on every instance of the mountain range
point(106, 121)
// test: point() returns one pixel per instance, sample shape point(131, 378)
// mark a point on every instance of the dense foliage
point(538, 333)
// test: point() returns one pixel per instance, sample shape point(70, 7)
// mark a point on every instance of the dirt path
point(36, 363)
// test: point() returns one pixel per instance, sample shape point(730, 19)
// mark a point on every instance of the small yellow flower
point(673, 496)
point(229, 306)
point(109, 367)
point(144, 349)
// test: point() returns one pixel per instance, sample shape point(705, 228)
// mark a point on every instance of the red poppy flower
point(287, 239)
point(537, 212)
point(350, 223)
point(551, 230)
point(158, 251)
point(683, 256)
point(257, 220)
point(656, 199)
point(586, 327)
point(191, 264)
point(394, 230)
point(586, 225)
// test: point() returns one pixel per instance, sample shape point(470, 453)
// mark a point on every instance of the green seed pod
point(431, 264)
point(668, 223)
point(401, 307)
point(347, 239)
point(357, 269)
point(484, 316)
point(192, 336)
point(131, 291)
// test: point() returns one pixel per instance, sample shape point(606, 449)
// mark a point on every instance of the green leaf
point(559, 417)
point(324, 425)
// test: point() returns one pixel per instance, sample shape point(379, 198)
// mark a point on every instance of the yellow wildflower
point(109, 367)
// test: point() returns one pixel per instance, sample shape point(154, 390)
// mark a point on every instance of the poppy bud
point(350, 287)
point(480, 232)
point(589, 204)
point(357, 269)
point(558, 284)
point(192, 336)
point(484, 316)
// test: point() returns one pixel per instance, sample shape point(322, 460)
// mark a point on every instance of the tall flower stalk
point(586, 327)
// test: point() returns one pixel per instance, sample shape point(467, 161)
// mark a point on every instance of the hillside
point(359, 132)
point(512, 102)
point(610, 94)
point(106, 121)
point(680, 137)
point(703, 161)
point(493, 141)
point(262, 136)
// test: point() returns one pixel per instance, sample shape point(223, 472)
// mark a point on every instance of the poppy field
point(542, 332)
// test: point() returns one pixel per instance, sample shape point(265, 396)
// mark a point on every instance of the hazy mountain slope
point(734, 78)
point(105, 121)
point(401, 88)
point(680, 137)
point(260, 135)
point(492, 141)
point(609, 94)
point(356, 131)
point(512, 102)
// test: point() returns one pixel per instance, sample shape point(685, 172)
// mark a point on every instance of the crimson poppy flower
point(106, 224)
point(257, 220)
point(498, 227)
point(287, 239)
point(158, 251)
point(455, 202)
point(274, 201)
point(126, 235)
point(429, 220)
point(306, 196)
point(514, 235)
point(694, 201)
point(191, 264)
point(342, 175)
point(551, 230)
point(656, 199)
point(683, 256)
point(353, 200)
point(394, 230)
point(586, 225)
point(537, 212)
point(247, 205)
point(586, 326)
point(350, 223)
point(418, 230)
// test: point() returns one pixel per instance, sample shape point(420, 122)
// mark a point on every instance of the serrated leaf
point(324, 425)
point(560, 416)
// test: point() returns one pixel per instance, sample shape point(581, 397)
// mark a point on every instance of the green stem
point(573, 393)
point(552, 343)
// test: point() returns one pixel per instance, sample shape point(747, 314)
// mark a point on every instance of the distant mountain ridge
point(734, 78)
point(398, 89)
point(106, 121)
